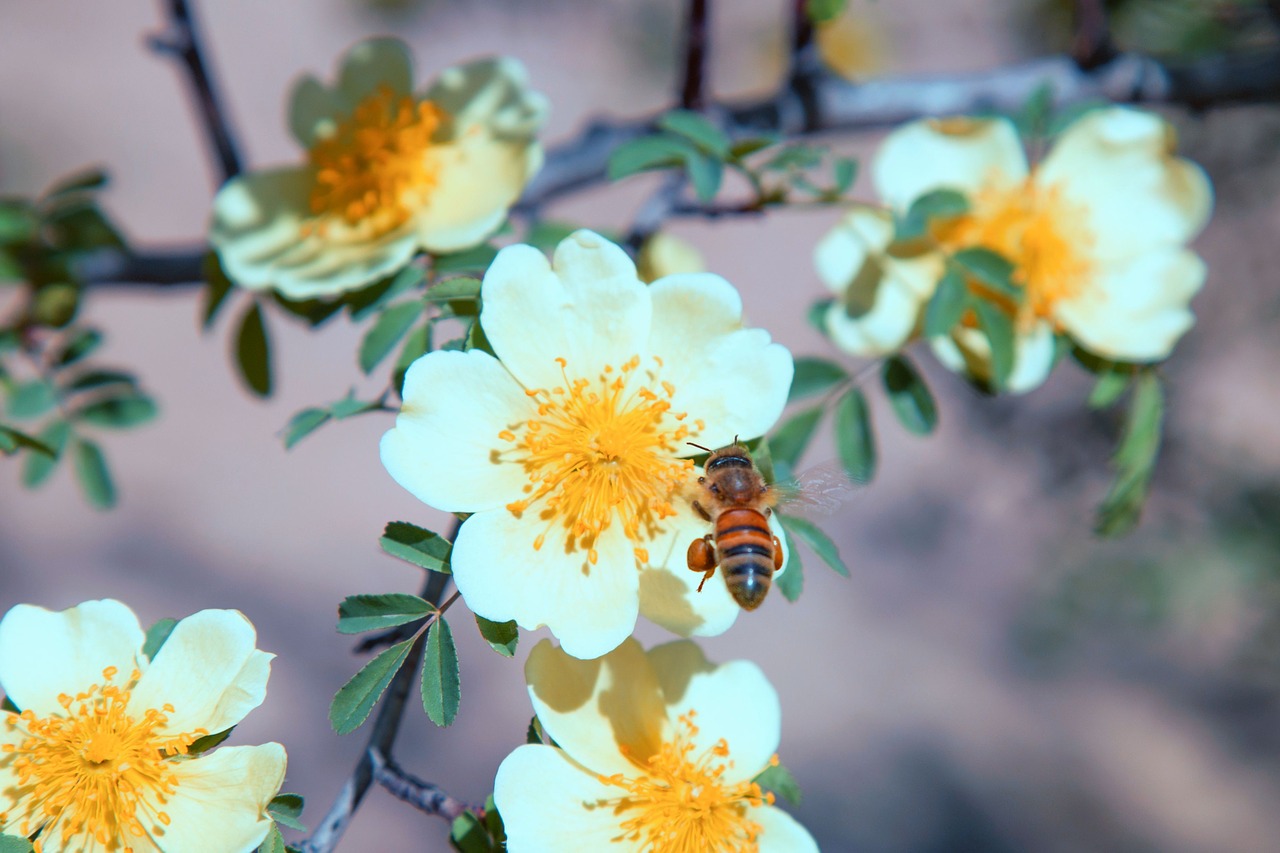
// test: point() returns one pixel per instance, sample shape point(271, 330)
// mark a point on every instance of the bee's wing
point(816, 492)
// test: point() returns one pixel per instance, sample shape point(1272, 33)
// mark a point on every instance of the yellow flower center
point(94, 770)
point(682, 803)
point(1043, 233)
point(602, 451)
point(376, 168)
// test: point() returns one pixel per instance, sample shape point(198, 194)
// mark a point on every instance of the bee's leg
point(777, 554)
point(702, 558)
point(697, 507)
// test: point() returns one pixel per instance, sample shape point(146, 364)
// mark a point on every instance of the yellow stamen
point(1043, 233)
point(601, 451)
point(375, 169)
point(96, 770)
point(680, 803)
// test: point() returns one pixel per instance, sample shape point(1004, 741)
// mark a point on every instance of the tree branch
point(181, 41)
point(423, 796)
point(693, 87)
point(1091, 45)
point(381, 739)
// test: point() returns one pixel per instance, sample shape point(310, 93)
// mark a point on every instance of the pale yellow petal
point(315, 111)
point(968, 351)
point(665, 254)
point(490, 93)
point(209, 670)
point(44, 653)
point(479, 177)
point(717, 699)
point(669, 593)
point(964, 154)
point(374, 63)
point(443, 444)
point(607, 714)
point(862, 232)
point(781, 833)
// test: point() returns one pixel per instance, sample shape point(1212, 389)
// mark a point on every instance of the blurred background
point(992, 677)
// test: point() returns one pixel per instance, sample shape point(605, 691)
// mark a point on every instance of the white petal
point(209, 670)
point(1136, 311)
point(669, 588)
point(1117, 165)
point(374, 63)
point(967, 351)
point(549, 804)
point(479, 178)
point(221, 800)
point(589, 608)
point(781, 833)
point(442, 446)
point(882, 330)
point(595, 709)
point(492, 93)
point(718, 699)
point(733, 379)
point(44, 654)
point(315, 111)
point(959, 154)
point(16, 803)
point(588, 308)
point(841, 252)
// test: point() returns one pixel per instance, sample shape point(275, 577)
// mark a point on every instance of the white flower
point(1097, 232)
point(569, 448)
point(879, 297)
point(96, 759)
point(655, 751)
point(389, 172)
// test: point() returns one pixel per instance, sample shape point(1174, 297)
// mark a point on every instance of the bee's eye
point(715, 488)
point(702, 479)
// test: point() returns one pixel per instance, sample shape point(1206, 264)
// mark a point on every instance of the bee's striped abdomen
point(744, 546)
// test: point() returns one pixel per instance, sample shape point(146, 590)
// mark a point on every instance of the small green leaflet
point(698, 130)
point(37, 467)
point(989, 269)
point(253, 352)
point(1110, 387)
point(441, 689)
point(788, 442)
point(1135, 458)
point(217, 288)
point(469, 835)
point(273, 843)
point(31, 399)
point(814, 376)
point(779, 780)
point(818, 542)
point(417, 545)
point(501, 636)
point(208, 742)
point(382, 337)
point(791, 582)
point(855, 439)
point(353, 702)
point(359, 613)
point(947, 305)
point(286, 810)
point(156, 635)
point(939, 204)
point(824, 11)
point(911, 399)
point(126, 410)
point(647, 152)
point(93, 474)
point(78, 346)
point(14, 844)
point(998, 327)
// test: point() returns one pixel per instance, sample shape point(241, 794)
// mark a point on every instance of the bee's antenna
point(735, 438)
point(699, 446)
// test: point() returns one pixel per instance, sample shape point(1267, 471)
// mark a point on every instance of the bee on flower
point(1096, 234)
point(569, 446)
point(388, 172)
point(97, 754)
point(653, 750)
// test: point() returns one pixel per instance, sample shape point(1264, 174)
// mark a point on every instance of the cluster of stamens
point(601, 451)
point(681, 802)
point(95, 769)
point(374, 169)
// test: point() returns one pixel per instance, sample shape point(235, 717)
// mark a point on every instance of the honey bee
point(735, 498)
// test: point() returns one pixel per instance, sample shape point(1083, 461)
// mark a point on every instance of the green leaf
point(824, 11)
point(855, 439)
point(845, 171)
point(31, 399)
point(390, 327)
point(941, 204)
point(203, 744)
point(1033, 119)
point(469, 835)
point(1110, 387)
point(358, 613)
point(15, 844)
point(36, 467)
point(647, 152)
point(273, 843)
point(303, 424)
point(416, 344)
point(454, 289)
point(313, 311)
point(814, 376)
point(217, 287)
point(474, 259)
point(817, 315)
point(998, 327)
point(796, 156)
point(122, 412)
point(441, 689)
point(417, 545)
point(156, 636)
point(11, 440)
point(545, 235)
point(286, 810)
point(788, 442)
point(93, 474)
point(362, 303)
point(1135, 458)
point(98, 378)
point(910, 396)
point(697, 129)
point(501, 636)
point(947, 305)
point(353, 702)
point(705, 173)
point(253, 352)
point(348, 406)
point(746, 147)
point(535, 734)
point(78, 182)
point(791, 582)
point(493, 821)
point(79, 345)
point(18, 222)
point(779, 780)
point(991, 270)
point(818, 542)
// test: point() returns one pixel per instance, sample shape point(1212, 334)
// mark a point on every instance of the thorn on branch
point(404, 786)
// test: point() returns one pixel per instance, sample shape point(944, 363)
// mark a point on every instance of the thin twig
point(181, 40)
point(693, 86)
point(1091, 45)
point(424, 796)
